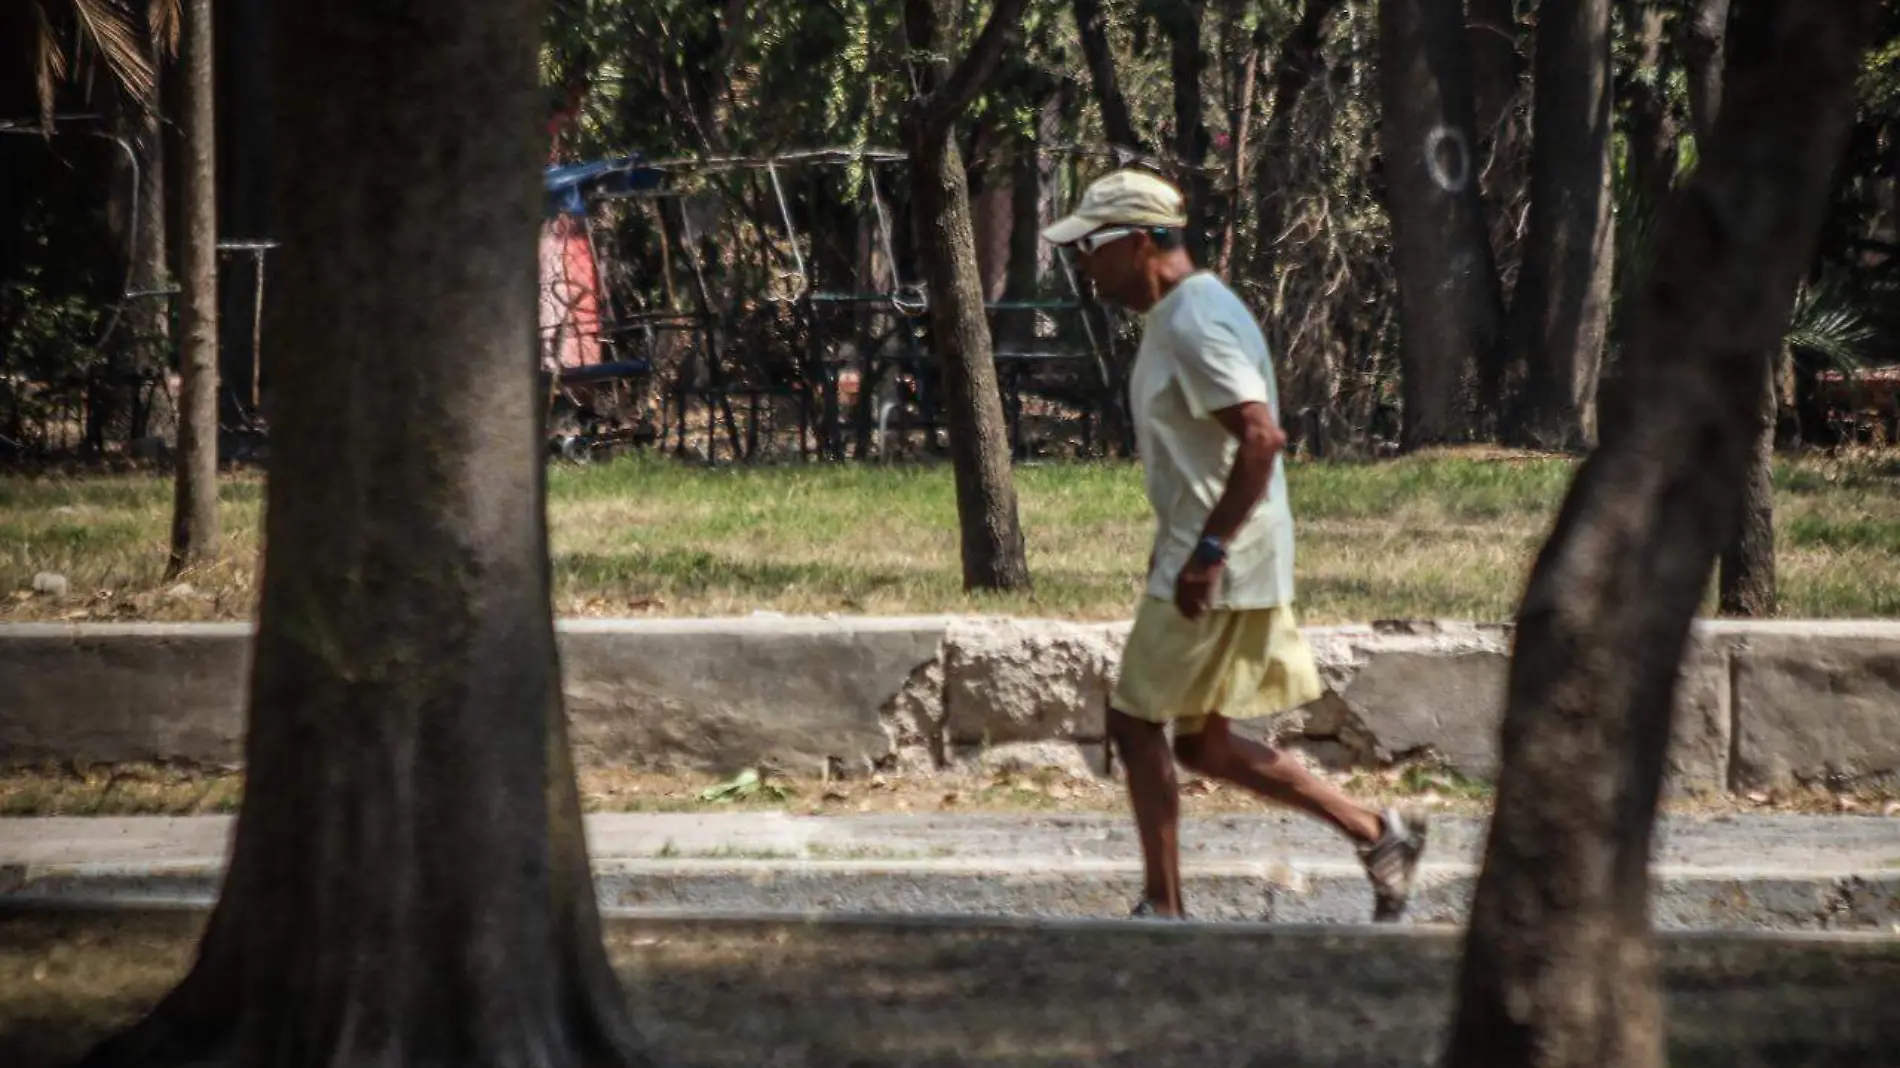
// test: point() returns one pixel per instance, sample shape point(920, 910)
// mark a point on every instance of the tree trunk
point(195, 532)
point(1450, 309)
point(408, 884)
point(1558, 969)
point(1092, 25)
point(992, 205)
point(992, 537)
point(1560, 309)
point(132, 401)
point(1242, 74)
point(1028, 253)
point(1187, 61)
point(147, 323)
point(1496, 72)
point(1299, 61)
point(1652, 136)
point(1702, 45)
point(1746, 582)
point(1746, 579)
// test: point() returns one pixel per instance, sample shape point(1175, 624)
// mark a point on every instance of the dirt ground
point(152, 789)
point(1142, 995)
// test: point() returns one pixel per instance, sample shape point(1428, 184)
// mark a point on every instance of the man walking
point(1214, 638)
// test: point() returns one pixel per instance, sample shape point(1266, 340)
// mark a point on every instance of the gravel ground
point(771, 995)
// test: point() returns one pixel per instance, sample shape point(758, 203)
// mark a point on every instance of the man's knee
point(1131, 730)
point(1202, 751)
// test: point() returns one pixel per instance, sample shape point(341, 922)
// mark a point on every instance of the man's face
point(1115, 258)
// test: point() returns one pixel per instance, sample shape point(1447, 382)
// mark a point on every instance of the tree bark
point(1561, 307)
point(1450, 308)
point(1187, 61)
point(1652, 135)
point(195, 533)
point(1702, 46)
point(408, 884)
point(1299, 61)
point(1496, 72)
point(992, 204)
point(1033, 175)
point(1746, 582)
point(1241, 74)
point(1558, 970)
point(1092, 26)
point(146, 321)
point(132, 402)
point(992, 539)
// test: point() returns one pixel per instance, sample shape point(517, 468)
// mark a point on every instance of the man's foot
point(1146, 910)
point(1392, 861)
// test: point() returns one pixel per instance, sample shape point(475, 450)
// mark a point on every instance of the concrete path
point(1732, 872)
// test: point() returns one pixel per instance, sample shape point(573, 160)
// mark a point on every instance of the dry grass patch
point(1449, 534)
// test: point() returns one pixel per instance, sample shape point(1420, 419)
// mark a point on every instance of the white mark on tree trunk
point(1448, 158)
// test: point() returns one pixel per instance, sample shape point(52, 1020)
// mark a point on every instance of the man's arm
point(1260, 442)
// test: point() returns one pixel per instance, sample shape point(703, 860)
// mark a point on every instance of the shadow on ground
point(791, 995)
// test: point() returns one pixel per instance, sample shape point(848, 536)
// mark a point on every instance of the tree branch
point(1092, 26)
point(955, 94)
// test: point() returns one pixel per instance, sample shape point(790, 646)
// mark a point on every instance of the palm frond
point(165, 19)
point(1829, 323)
point(49, 65)
point(111, 28)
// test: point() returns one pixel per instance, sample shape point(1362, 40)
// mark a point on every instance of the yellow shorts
point(1241, 663)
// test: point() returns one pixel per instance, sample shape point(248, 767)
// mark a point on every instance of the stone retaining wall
point(1763, 705)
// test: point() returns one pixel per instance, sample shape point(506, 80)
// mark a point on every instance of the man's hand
point(1194, 588)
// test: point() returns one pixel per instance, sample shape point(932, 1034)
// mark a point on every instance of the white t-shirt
point(1201, 351)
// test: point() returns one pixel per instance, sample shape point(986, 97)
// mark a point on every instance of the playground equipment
point(781, 340)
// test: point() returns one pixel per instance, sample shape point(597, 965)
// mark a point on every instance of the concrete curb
point(843, 696)
point(1274, 892)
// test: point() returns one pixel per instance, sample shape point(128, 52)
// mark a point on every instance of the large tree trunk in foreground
point(1558, 971)
point(1450, 309)
point(408, 884)
point(992, 536)
point(195, 498)
point(1560, 310)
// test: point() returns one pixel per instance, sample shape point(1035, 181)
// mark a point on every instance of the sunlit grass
point(1448, 535)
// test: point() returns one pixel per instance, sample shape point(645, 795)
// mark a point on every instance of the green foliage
point(1830, 324)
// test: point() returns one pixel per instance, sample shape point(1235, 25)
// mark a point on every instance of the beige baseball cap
point(1122, 198)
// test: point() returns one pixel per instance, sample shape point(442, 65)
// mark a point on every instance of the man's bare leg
point(1156, 799)
point(1218, 752)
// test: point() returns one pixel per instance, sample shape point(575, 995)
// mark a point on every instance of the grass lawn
point(1449, 535)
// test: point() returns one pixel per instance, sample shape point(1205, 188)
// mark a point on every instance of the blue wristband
point(1210, 551)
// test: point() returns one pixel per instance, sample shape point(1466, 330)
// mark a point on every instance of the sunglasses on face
point(1089, 243)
